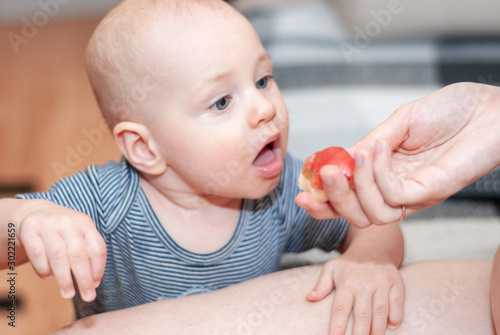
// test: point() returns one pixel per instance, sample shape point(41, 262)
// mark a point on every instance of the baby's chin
point(264, 190)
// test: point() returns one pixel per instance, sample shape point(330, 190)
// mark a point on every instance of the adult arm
point(423, 153)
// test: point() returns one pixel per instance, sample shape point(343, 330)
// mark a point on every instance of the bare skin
point(442, 297)
point(495, 291)
point(424, 152)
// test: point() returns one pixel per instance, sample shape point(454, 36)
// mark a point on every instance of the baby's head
point(187, 88)
point(126, 55)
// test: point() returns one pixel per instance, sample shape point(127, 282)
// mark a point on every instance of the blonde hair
point(122, 54)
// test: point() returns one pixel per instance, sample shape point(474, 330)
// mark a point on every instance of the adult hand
point(423, 153)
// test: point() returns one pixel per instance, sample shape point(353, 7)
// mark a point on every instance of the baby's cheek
point(220, 180)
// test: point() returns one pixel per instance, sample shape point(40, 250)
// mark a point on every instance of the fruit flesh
point(330, 156)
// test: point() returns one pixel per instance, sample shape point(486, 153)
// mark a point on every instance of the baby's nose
point(263, 111)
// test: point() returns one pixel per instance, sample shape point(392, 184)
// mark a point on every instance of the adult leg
point(442, 297)
point(495, 291)
point(447, 297)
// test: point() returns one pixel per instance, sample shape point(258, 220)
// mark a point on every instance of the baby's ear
point(139, 147)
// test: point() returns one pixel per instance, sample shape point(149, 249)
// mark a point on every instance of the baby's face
point(221, 123)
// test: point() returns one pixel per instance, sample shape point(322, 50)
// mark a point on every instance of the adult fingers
point(395, 191)
point(320, 211)
point(342, 197)
point(371, 200)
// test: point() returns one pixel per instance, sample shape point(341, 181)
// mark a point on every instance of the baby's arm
point(57, 240)
point(367, 281)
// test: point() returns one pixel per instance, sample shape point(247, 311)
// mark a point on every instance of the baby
point(204, 195)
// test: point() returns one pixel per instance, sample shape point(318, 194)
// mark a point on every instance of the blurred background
point(343, 67)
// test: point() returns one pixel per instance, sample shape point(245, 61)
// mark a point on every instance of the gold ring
point(403, 213)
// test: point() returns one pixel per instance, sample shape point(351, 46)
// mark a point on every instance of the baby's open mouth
point(269, 160)
point(266, 155)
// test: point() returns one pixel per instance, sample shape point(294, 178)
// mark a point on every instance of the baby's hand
point(374, 292)
point(60, 241)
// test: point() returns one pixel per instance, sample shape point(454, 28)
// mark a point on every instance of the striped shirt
point(145, 264)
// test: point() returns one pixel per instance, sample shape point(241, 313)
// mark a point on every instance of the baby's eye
point(262, 83)
point(221, 104)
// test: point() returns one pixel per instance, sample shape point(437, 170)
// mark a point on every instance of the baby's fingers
point(396, 304)
point(97, 254)
point(79, 261)
point(58, 259)
point(362, 314)
point(324, 285)
point(341, 310)
point(380, 312)
point(37, 254)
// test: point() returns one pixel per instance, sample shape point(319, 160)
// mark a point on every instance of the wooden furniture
point(50, 127)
